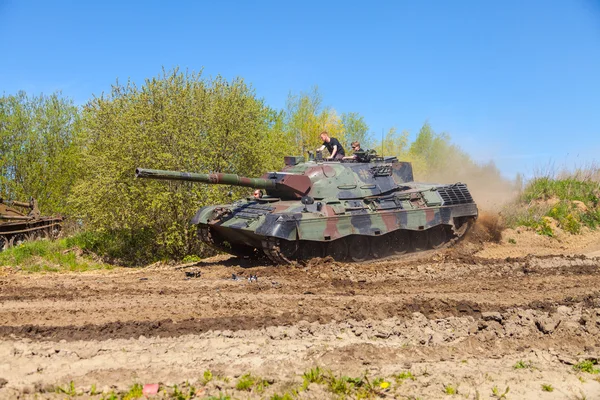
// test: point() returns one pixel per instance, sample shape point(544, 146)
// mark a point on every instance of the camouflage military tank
point(22, 221)
point(351, 210)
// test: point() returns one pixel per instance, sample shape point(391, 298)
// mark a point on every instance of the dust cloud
point(490, 190)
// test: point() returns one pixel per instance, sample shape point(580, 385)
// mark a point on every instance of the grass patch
point(50, 256)
point(546, 387)
point(135, 392)
point(450, 390)
point(69, 390)
point(587, 366)
point(249, 382)
point(496, 392)
point(344, 386)
point(570, 202)
point(523, 365)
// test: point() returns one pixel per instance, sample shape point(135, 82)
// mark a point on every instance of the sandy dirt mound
point(457, 319)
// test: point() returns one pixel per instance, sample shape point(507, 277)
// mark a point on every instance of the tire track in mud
point(129, 304)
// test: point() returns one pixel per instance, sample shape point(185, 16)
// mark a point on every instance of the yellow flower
point(384, 385)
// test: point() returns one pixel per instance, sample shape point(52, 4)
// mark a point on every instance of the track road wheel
point(381, 246)
point(3, 243)
point(338, 249)
point(420, 240)
point(358, 248)
point(309, 250)
point(400, 242)
point(438, 236)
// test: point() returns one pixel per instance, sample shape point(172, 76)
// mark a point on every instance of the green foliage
point(207, 376)
point(135, 392)
point(49, 256)
point(176, 121)
point(587, 366)
point(39, 149)
point(547, 387)
point(402, 376)
point(285, 396)
point(523, 365)
point(306, 117)
point(356, 129)
point(570, 202)
point(68, 390)
point(314, 375)
point(248, 382)
point(450, 389)
point(496, 392)
point(191, 259)
point(220, 397)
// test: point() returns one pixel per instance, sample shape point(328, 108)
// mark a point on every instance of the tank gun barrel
point(216, 179)
point(16, 203)
point(16, 217)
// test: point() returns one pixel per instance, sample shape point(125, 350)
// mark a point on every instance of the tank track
point(278, 256)
point(272, 249)
point(42, 229)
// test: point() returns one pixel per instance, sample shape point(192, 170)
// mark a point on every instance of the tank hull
point(17, 227)
point(285, 231)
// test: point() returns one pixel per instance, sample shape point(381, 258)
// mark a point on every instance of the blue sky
point(517, 82)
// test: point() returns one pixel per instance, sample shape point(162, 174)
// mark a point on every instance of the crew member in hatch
point(334, 147)
point(355, 148)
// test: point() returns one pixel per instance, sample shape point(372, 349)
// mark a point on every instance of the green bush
point(555, 198)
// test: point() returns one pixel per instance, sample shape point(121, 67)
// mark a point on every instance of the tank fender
point(280, 226)
point(204, 215)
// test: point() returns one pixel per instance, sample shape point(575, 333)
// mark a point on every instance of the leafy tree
point(176, 121)
point(39, 149)
point(356, 129)
point(306, 118)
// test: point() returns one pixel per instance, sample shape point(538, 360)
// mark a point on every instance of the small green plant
point(450, 390)
point(547, 387)
point(402, 376)
point(110, 396)
point(587, 366)
point(313, 375)
point(544, 228)
point(512, 241)
point(93, 390)
point(135, 392)
point(523, 365)
point(246, 382)
point(207, 376)
point(220, 397)
point(496, 392)
point(191, 259)
point(285, 396)
point(68, 390)
point(581, 379)
point(341, 386)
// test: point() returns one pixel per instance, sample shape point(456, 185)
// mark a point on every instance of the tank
point(351, 210)
point(22, 221)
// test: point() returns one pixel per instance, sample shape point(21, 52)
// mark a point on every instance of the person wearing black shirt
point(336, 151)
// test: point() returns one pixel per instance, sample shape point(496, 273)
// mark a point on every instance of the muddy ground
point(459, 320)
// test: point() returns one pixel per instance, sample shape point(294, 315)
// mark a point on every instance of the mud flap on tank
point(279, 226)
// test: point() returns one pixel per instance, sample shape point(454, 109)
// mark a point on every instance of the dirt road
point(455, 320)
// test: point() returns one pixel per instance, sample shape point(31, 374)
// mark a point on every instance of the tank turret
point(366, 207)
